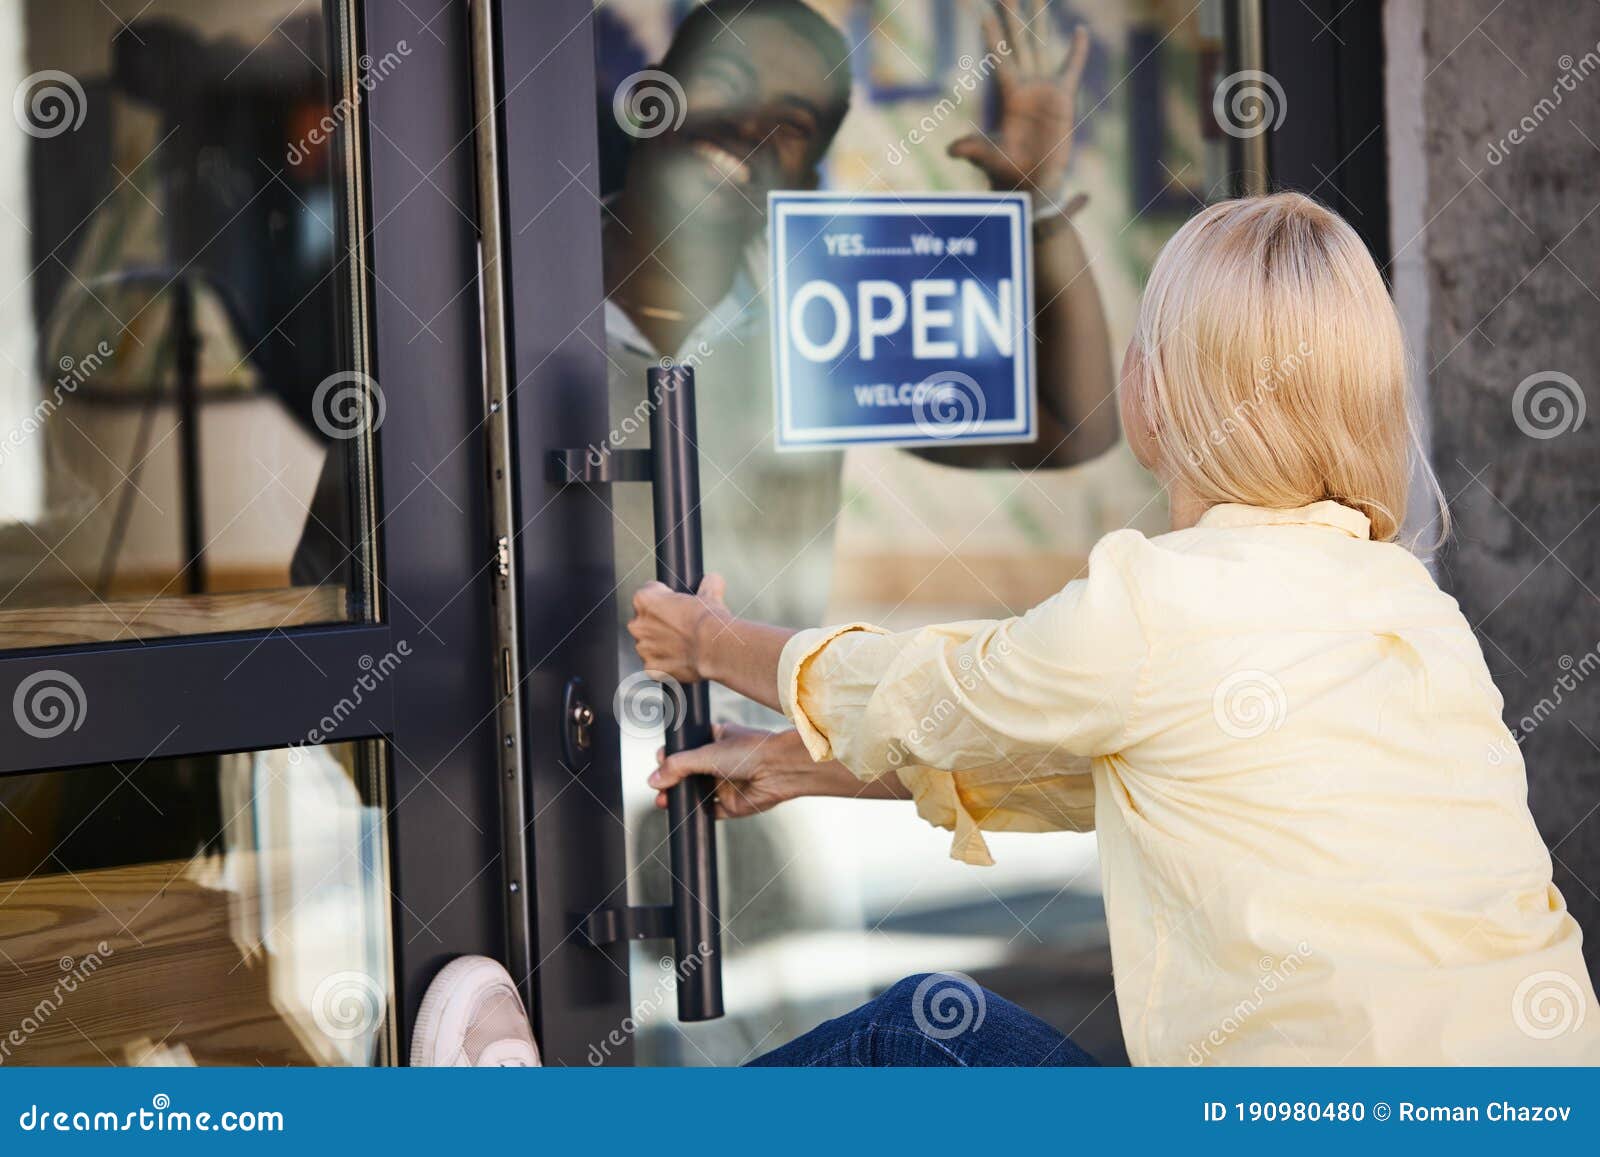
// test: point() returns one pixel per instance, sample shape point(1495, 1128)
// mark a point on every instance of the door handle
point(691, 804)
point(693, 919)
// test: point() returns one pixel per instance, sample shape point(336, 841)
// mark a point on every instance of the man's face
point(758, 119)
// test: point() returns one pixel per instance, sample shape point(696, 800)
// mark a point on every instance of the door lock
point(577, 723)
point(582, 720)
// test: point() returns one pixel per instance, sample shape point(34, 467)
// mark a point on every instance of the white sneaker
point(472, 1017)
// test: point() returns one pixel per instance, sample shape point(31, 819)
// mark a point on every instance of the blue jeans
point(936, 1019)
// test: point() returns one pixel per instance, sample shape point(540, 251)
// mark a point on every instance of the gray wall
point(1503, 282)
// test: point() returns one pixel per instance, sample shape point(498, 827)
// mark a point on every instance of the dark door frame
point(445, 812)
point(557, 397)
point(1328, 57)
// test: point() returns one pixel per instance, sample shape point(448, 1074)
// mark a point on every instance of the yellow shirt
point(1314, 833)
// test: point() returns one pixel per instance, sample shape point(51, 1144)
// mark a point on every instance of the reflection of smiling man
point(766, 85)
point(763, 96)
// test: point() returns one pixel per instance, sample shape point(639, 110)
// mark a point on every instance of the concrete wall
point(1497, 270)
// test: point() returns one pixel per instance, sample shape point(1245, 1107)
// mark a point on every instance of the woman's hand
point(670, 630)
point(757, 770)
point(1038, 101)
point(692, 638)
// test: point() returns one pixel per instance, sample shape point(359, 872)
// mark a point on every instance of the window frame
point(255, 690)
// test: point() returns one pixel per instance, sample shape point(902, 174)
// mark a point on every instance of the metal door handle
point(694, 919)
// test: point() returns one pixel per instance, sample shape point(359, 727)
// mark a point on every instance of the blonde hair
point(1272, 362)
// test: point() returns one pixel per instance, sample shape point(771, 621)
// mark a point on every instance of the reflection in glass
point(174, 261)
point(828, 901)
point(226, 909)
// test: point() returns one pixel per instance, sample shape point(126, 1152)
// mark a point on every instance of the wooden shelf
point(173, 973)
point(171, 615)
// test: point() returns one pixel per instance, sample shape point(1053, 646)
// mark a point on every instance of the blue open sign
point(901, 321)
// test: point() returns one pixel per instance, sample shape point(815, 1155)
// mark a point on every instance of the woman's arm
point(695, 637)
point(987, 725)
point(1058, 681)
point(756, 770)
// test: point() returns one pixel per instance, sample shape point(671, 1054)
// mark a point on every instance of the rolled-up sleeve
point(990, 723)
point(795, 660)
point(1004, 797)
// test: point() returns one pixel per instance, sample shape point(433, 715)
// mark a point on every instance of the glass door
point(249, 783)
point(644, 139)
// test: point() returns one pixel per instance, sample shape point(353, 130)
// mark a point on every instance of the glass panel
point(219, 909)
point(182, 402)
point(704, 110)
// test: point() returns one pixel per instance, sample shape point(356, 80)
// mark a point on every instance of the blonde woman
point(1284, 733)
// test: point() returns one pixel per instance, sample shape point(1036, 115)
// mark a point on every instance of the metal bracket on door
point(569, 467)
point(693, 919)
point(608, 925)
